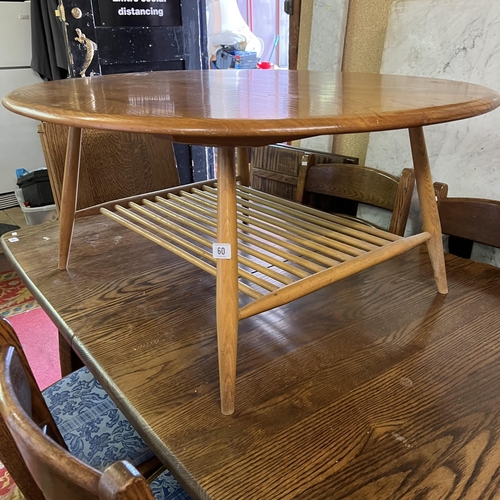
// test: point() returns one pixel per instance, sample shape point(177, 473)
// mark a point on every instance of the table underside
point(285, 250)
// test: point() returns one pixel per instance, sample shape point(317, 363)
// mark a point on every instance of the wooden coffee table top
point(375, 387)
point(250, 107)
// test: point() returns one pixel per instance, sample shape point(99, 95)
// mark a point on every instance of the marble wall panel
point(326, 47)
point(456, 40)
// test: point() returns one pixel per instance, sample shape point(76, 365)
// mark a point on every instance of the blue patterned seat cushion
point(165, 487)
point(97, 432)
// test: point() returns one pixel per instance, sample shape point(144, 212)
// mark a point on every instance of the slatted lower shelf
point(285, 249)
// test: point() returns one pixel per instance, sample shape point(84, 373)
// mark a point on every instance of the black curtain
point(49, 56)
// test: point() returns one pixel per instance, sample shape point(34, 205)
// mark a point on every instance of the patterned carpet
point(14, 296)
point(8, 489)
point(14, 299)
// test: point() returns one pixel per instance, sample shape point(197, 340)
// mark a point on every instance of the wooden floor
point(375, 387)
point(5, 265)
point(15, 217)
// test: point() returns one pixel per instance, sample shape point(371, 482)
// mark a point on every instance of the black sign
point(140, 12)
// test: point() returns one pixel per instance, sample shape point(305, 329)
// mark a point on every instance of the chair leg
point(69, 195)
point(227, 280)
point(428, 207)
point(243, 166)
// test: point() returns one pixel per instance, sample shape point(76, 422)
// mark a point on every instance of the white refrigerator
point(19, 142)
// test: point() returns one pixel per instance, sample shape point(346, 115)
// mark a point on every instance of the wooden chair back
point(281, 170)
point(114, 165)
point(10, 455)
point(467, 220)
point(50, 471)
point(359, 184)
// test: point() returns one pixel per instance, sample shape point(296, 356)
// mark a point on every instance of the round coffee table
point(250, 108)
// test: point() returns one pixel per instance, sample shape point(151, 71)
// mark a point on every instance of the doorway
point(267, 20)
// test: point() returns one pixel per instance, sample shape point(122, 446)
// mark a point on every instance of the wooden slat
point(298, 224)
point(269, 229)
point(192, 248)
point(175, 250)
point(349, 224)
point(95, 210)
point(306, 238)
point(191, 216)
point(352, 236)
point(245, 248)
point(254, 219)
point(186, 223)
point(165, 244)
point(184, 220)
point(246, 228)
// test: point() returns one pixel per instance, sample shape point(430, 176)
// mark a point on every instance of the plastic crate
point(36, 215)
point(36, 189)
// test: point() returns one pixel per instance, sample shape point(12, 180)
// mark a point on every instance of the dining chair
point(341, 187)
point(281, 170)
point(467, 221)
point(71, 441)
point(114, 165)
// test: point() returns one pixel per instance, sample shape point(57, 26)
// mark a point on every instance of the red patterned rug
point(8, 489)
point(14, 299)
point(14, 296)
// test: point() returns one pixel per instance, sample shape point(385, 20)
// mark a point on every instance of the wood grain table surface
point(250, 107)
point(376, 387)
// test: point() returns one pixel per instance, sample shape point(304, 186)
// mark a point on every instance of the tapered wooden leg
point(243, 166)
point(69, 194)
point(428, 207)
point(227, 280)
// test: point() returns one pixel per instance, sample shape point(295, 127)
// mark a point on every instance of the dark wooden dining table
point(376, 387)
